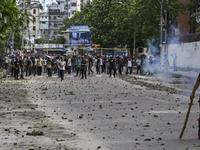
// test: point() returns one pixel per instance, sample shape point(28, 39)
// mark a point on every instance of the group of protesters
point(79, 66)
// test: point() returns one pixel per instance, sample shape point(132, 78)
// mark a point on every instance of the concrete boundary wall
point(188, 54)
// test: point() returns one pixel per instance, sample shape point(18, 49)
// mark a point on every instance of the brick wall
point(183, 21)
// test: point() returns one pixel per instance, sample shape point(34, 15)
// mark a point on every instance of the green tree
point(10, 17)
point(60, 40)
point(118, 24)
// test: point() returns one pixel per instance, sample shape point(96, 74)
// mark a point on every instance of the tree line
point(117, 23)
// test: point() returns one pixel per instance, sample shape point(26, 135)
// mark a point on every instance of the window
point(58, 3)
point(33, 35)
point(55, 25)
point(45, 17)
point(73, 4)
point(34, 11)
point(49, 17)
point(43, 22)
point(33, 28)
point(54, 17)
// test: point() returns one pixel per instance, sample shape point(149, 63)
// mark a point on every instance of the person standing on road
point(66, 61)
point(101, 64)
point(98, 65)
point(175, 62)
point(129, 65)
point(112, 66)
point(78, 67)
point(90, 65)
point(28, 67)
point(16, 66)
point(33, 65)
point(83, 67)
point(39, 66)
point(119, 63)
point(44, 65)
point(196, 86)
point(6, 62)
point(21, 65)
point(12, 66)
point(62, 65)
point(48, 66)
point(69, 65)
point(138, 62)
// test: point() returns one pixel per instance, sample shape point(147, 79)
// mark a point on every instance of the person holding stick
point(192, 96)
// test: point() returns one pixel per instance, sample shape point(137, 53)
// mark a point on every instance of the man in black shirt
point(21, 65)
point(12, 66)
point(98, 65)
point(90, 65)
point(28, 67)
point(16, 66)
point(119, 63)
point(112, 66)
point(33, 65)
point(83, 67)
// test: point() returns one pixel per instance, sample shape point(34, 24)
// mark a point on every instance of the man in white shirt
point(101, 64)
point(69, 65)
point(62, 65)
point(129, 65)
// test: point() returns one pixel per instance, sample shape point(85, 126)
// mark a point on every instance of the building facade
point(56, 13)
point(30, 31)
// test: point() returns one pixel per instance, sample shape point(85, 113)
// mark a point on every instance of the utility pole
point(161, 26)
point(22, 47)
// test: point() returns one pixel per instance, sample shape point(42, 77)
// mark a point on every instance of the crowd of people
point(79, 66)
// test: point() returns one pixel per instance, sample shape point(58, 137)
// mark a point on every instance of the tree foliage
point(11, 21)
point(10, 17)
point(116, 23)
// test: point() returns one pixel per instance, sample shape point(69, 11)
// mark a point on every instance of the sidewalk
point(186, 74)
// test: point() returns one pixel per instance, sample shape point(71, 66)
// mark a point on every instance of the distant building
point(56, 13)
point(74, 6)
point(44, 25)
point(186, 31)
point(30, 30)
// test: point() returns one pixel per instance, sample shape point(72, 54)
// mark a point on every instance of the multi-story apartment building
point(30, 30)
point(44, 25)
point(74, 6)
point(51, 21)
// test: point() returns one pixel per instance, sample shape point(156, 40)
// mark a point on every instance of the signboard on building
point(96, 46)
point(44, 26)
point(80, 35)
point(79, 28)
point(50, 46)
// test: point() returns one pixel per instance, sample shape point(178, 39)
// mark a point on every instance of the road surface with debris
point(123, 113)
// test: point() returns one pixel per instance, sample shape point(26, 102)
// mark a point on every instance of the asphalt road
point(123, 113)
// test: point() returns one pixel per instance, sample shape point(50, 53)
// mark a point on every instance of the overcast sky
point(47, 2)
